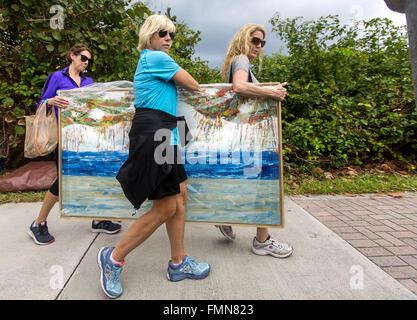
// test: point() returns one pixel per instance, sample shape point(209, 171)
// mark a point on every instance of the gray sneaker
point(227, 231)
point(271, 247)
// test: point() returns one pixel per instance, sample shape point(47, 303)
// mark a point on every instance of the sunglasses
point(163, 33)
point(256, 41)
point(84, 58)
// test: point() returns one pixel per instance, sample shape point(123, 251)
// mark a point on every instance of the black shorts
point(54, 189)
point(171, 184)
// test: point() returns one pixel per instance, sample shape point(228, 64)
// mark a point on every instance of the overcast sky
point(219, 20)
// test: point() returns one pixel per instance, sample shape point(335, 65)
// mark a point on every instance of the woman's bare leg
point(175, 226)
point(262, 234)
point(144, 226)
point(47, 205)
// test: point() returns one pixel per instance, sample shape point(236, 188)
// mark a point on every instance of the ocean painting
point(232, 162)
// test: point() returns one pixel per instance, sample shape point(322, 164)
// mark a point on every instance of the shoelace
point(191, 262)
point(277, 244)
point(104, 223)
point(114, 272)
point(43, 230)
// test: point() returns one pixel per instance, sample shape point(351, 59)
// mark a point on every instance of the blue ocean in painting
point(237, 188)
point(210, 165)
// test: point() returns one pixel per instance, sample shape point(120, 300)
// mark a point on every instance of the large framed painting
point(233, 162)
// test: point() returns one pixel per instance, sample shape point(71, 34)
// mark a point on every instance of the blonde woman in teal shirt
point(155, 81)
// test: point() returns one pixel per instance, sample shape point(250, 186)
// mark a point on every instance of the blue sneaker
point(188, 268)
point(109, 278)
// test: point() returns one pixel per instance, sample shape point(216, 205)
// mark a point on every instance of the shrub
point(350, 96)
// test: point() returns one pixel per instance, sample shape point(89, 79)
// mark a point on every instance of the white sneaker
point(227, 231)
point(272, 247)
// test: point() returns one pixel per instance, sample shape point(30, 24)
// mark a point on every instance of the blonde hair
point(153, 24)
point(240, 45)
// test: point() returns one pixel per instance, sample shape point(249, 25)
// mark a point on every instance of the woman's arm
point(248, 89)
point(49, 93)
point(184, 79)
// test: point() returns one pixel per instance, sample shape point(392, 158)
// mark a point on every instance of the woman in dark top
point(78, 57)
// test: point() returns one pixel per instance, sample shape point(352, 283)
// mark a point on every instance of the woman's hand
point(59, 102)
point(279, 92)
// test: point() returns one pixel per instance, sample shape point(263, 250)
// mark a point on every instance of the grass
point(298, 185)
point(20, 196)
point(361, 183)
point(27, 196)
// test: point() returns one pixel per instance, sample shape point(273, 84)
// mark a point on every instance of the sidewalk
point(323, 266)
point(384, 229)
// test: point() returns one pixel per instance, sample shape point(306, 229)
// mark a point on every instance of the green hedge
point(350, 94)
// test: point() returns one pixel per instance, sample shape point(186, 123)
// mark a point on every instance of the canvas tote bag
point(41, 133)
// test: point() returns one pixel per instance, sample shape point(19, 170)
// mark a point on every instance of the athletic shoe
point(271, 247)
point(40, 233)
point(109, 277)
point(188, 268)
point(227, 231)
point(106, 227)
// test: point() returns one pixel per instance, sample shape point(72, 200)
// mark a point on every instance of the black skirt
point(170, 185)
point(142, 176)
point(54, 189)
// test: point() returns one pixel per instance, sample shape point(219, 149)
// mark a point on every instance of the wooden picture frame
point(224, 188)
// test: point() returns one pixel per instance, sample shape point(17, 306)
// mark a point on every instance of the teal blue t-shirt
point(153, 85)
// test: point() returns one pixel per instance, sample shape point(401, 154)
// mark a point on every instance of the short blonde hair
point(153, 24)
point(240, 45)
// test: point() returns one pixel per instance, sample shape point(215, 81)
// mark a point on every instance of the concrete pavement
point(323, 266)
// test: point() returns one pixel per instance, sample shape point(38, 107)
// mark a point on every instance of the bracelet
point(46, 102)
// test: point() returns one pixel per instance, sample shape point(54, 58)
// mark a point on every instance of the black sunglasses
point(163, 33)
point(84, 58)
point(256, 41)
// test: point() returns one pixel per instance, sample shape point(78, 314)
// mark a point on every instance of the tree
point(36, 35)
